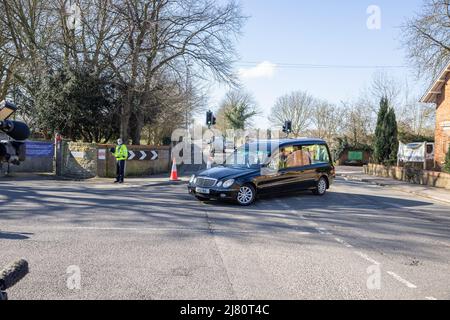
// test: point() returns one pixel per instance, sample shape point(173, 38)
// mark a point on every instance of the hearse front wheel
point(246, 195)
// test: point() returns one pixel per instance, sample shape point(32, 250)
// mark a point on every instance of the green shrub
point(447, 162)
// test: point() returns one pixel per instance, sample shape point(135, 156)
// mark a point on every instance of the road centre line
point(343, 243)
point(366, 257)
point(400, 279)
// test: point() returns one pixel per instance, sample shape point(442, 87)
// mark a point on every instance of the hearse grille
point(206, 182)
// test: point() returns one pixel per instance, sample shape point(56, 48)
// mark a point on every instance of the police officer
point(121, 155)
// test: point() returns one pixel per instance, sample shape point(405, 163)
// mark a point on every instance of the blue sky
point(325, 32)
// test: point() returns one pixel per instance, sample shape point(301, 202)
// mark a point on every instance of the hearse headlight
point(227, 184)
point(219, 184)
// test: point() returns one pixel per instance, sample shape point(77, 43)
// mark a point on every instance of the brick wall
point(79, 160)
point(443, 124)
point(135, 168)
point(84, 161)
point(422, 177)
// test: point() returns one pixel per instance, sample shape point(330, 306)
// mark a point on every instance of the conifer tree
point(380, 145)
point(447, 162)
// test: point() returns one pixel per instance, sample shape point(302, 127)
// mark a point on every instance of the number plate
point(202, 190)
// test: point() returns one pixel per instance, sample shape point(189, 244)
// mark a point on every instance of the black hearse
point(267, 167)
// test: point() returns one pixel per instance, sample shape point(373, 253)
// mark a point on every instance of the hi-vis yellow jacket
point(121, 153)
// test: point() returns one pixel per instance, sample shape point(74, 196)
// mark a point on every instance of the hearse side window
point(293, 157)
point(319, 154)
point(299, 157)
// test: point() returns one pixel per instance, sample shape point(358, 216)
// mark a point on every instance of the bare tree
point(356, 123)
point(236, 111)
point(160, 36)
point(385, 85)
point(139, 46)
point(416, 118)
point(297, 107)
point(24, 31)
point(427, 37)
point(413, 117)
point(7, 66)
point(327, 120)
point(171, 107)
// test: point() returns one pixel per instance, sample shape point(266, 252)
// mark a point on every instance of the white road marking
point(431, 298)
point(261, 232)
point(159, 229)
point(367, 258)
point(400, 279)
point(346, 244)
point(128, 229)
point(323, 231)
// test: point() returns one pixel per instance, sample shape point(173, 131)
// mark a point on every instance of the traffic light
point(287, 128)
point(210, 119)
point(209, 116)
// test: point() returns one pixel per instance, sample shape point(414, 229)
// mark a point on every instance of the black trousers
point(120, 170)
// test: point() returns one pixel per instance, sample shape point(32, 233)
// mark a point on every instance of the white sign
point(78, 155)
point(154, 155)
point(415, 152)
point(102, 154)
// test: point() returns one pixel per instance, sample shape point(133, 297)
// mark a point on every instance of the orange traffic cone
point(174, 173)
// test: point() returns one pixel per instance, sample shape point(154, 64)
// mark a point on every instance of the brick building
point(439, 94)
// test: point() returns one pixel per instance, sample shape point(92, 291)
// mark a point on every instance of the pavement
point(357, 174)
point(151, 240)
point(162, 179)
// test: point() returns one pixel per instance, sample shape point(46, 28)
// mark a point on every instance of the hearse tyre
point(246, 195)
point(322, 186)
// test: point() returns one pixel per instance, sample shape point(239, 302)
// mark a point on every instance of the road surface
point(92, 240)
